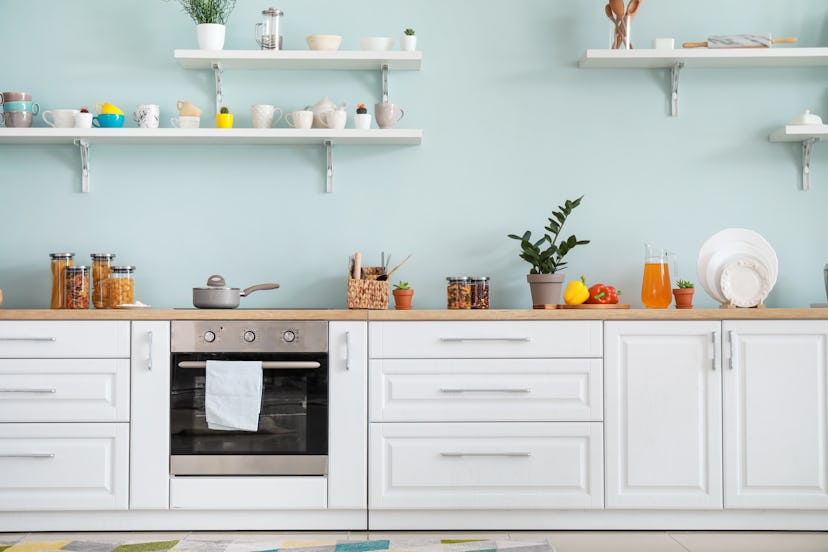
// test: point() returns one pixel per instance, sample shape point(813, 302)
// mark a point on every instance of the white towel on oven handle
point(233, 395)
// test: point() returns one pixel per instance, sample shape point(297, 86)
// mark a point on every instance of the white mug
point(185, 121)
point(300, 119)
point(334, 119)
point(61, 118)
point(264, 116)
point(83, 120)
point(147, 115)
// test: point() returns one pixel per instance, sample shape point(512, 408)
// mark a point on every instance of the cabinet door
point(775, 412)
point(348, 415)
point(149, 473)
point(64, 339)
point(663, 415)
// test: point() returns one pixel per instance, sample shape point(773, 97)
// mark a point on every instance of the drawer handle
point(28, 390)
point(28, 339)
point(507, 454)
point(473, 339)
point(267, 365)
point(505, 390)
point(29, 455)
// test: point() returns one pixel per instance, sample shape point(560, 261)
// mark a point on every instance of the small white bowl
point(323, 41)
point(376, 43)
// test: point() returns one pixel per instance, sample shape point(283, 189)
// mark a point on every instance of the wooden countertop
point(417, 314)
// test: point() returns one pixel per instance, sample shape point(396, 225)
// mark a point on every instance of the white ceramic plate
point(745, 282)
point(725, 244)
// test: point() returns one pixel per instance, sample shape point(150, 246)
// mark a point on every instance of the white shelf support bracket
point(674, 77)
point(384, 83)
point(807, 148)
point(217, 71)
point(84, 153)
point(329, 166)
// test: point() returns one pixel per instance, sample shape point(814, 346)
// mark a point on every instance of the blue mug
point(21, 106)
point(108, 120)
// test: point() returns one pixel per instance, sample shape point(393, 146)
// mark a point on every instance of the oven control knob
point(209, 336)
point(289, 336)
point(250, 336)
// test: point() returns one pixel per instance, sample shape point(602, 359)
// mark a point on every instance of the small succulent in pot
point(224, 119)
point(683, 292)
point(408, 41)
point(403, 294)
point(362, 119)
point(684, 284)
point(402, 285)
point(409, 32)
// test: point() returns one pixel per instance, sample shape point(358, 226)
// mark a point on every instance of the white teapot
point(322, 106)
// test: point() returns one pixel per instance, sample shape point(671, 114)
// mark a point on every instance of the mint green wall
point(512, 127)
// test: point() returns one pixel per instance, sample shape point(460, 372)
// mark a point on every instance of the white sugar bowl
point(807, 118)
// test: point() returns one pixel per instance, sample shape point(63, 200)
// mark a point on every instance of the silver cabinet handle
point(32, 390)
point(733, 349)
point(267, 365)
point(473, 339)
point(715, 337)
point(504, 390)
point(149, 350)
point(28, 339)
point(507, 454)
point(347, 350)
point(29, 455)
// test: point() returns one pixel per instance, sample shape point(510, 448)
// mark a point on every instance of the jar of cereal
point(120, 287)
point(77, 287)
point(458, 292)
point(101, 268)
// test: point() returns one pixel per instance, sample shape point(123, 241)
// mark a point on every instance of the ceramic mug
point(60, 118)
point(108, 120)
point(107, 108)
point(187, 109)
point(147, 115)
point(300, 119)
point(264, 116)
point(334, 119)
point(185, 121)
point(16, 96)
point(388, 114)
point(21, 106)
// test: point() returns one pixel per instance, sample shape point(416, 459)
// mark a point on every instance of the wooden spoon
point(617, 7)
point(393, 270)
point(633, 7)
point(615, 22)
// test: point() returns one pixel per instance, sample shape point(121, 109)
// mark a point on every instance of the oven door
point(292, 435)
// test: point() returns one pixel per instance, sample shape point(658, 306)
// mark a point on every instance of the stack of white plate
point(737, 267)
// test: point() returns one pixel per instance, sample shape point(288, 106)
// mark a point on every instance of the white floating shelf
point(807, 135)
point(705, 57)
point(299, 59)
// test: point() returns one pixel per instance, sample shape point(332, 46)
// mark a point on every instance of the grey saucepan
point(218, 296)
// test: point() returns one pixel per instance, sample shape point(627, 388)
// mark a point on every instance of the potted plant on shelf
point(224, 119)
point(403, 294)
point(546, 256)
point(684, 294)
point(408, 41)
point(210, 17)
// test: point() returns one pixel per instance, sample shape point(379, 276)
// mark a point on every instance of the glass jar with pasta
point(120, 287)
point(59, 262)
point(458, 292)
point(101, 269)
point(77, 287)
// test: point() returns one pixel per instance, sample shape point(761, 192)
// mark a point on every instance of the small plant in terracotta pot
point(403, 294)
point(684, 294)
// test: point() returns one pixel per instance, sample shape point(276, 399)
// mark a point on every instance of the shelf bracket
point(329, 166)
point(807, 147)
point(84, 153)
point(384, 83)
point(674, 77)
point(217, 71)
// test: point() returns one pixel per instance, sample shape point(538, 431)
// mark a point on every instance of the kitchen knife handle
point(694, 45)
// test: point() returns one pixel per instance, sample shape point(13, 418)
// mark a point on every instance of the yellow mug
point(106, 107)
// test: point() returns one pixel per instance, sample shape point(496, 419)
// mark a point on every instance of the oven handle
point(267, 365)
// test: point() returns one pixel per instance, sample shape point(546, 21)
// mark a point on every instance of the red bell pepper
point(602, 294)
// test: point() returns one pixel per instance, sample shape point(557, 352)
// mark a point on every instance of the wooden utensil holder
point(368, 292)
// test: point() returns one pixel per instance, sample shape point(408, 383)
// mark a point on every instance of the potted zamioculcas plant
point(546, 256)
point(403, 294)
point(683, 292)
point(210, 17)
point(408, 41)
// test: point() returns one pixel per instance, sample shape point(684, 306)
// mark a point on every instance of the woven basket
point(368, 292)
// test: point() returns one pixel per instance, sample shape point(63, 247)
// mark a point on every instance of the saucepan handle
point(258, 287)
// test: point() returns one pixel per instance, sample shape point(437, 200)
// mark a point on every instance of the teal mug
point(108, 120)
point(22, 106)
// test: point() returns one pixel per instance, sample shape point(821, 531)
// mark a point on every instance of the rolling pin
point(741, 41)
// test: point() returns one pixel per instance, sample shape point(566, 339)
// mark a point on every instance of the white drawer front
point(249, 493)
point(66, 390)
point(485, 339)
point(446, 390)
point(64, 339)
point(64, 466)
point(486, 465)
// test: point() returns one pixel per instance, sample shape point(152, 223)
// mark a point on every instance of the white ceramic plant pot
point(408, 43)
point(210, 36)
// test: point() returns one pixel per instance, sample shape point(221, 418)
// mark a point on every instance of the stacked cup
point(189, 116)
point(18, 109)
point(109, 116)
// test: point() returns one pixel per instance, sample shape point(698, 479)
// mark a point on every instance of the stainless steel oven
point(292, 434)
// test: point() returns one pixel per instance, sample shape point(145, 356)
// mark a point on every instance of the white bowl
point(376, 43)
point(323, 41)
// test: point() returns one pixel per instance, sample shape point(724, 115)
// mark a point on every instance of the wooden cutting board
point(616, 306)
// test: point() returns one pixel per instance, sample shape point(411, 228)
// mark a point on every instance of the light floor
point(563, 541)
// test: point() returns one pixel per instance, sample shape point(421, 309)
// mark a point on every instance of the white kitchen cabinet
point(149, 474)
point(64, 339)
point(775, 414)
point(663, 415)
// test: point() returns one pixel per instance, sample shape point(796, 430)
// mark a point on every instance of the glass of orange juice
point(656, 289)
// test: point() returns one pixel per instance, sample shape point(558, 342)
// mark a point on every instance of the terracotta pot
point(545, 288)
point(684, 297)
point(402, 298)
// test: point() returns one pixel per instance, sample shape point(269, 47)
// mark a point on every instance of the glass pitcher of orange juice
point(656, 289)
